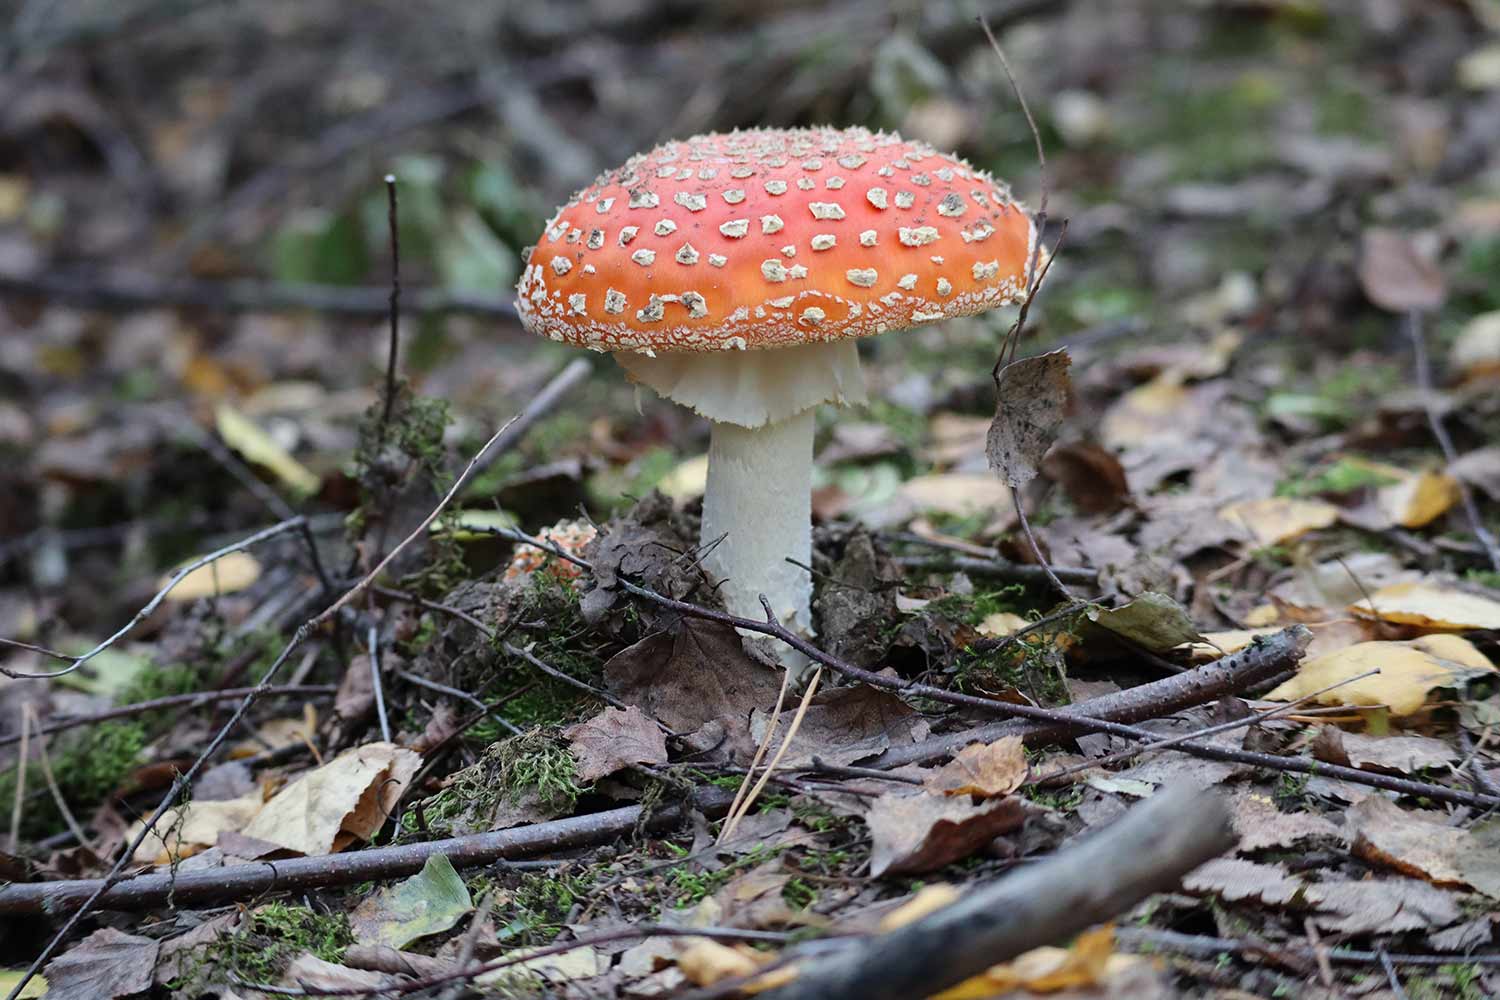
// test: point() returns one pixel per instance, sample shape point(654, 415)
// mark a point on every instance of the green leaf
point(430, 902)
point(1152, 621)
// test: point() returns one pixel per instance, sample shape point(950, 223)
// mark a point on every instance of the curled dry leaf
point(1427, 848)
point(923, 832)
point(707, 962)
point(1089, 962)
point(185, 830)
point(1091, 477)
point(1384, 754)
point(1031, 396)
point(1417, 498)
point(1409, 671)
point(613, 740)
point(345, 800)
point(1430, 606)
point(1274, 520)
point(984, 770)
point(1396, 275)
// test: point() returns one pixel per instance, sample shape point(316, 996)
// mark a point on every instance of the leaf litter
point(1238, 448)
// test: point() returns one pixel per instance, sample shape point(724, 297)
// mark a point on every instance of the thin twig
point(1450, 453)
point(15, 809)
point(377, 688)
point(155, 602)
point(1390, 975)
point(191, 700)
point(1194, 944)
point(395, 301)
point(463, 696)
point(74, 827)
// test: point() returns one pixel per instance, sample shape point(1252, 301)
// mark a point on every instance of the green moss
point(88, 765)
point(543, 901)
point(1343, 476)
point(536, 763)
point(273, 935)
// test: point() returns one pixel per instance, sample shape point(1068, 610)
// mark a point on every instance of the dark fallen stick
point(247, 881)
point(124, 292)
point(1147, 851)
point(1227, 675)
point(998, 569)
point(1208, 947)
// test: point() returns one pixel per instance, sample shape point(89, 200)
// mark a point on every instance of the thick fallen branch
point(1147, 851)
point(222, 885)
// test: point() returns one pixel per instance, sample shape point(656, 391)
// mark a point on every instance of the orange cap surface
point(773, 238)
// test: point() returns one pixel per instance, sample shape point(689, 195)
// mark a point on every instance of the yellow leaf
point(1047, 970)
point(259, 448)
point(233, 572)
point(10, 977)
point(1145, 412)
point(346, 799)
point(1279, 519)
point(1408, 672)
point(1476, 352)
point(707, 962)
point(687, 479)
point(186, 830)
point(928, 899)
point(1418, 499)
point(1430, 606)
point(1002, 623)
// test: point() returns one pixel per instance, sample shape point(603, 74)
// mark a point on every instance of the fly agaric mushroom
point(733, 274)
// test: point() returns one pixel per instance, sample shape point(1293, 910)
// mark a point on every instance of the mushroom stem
point(758, 501)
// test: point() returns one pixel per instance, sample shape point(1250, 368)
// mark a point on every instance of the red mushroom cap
point(772, 238)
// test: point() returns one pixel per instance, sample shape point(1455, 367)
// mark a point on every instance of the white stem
point(759, 498)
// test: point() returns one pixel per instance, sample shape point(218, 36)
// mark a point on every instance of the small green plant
point(273, 935)
point(543, 900)
point(535, 763)
point(1344, 476)
point(798, 893)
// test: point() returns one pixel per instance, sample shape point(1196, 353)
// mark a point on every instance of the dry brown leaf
point(1279, 519)
point(1260, 824)
point(696, 672)
point(1145, 413)
point(955, 438)
point(1234, 879)
point(1386, 906)
point(309, 972)
point(1385, 834)
point(106, 964)
point(1395, 275)
point(185, 830)
point(1091, 477)
point(613, 740)
point(345, 800)
point(923, 832)
point(1031, 398)
point(1409, 671)
point(1430, 606)
point(1387, 754)
point(982, 770)
point(233, 572)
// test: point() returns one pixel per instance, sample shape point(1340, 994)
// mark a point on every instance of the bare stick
point(373, 638)
point(155, 602)
point(1194, 944)
point(1450, 453)
point(463, 696)
point(760, 752)
point(74, 827)
point(15, 809)
point(122, 292)
point(1164, 838)
point(296, 874)
point(395, 346)
point(191, 700)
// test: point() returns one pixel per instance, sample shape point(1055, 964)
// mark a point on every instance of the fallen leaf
point(225, 575)
point(1273, 520)
point(179, 955)
point(258, 448)
point(842, 725)
point(1031, 396)
point(613, 740)
point(926, 900)
point(1260, 824)
point(1409, 671)
point(185, 830)
point(1386, 906)
point(1153, 621)
point(1145, 413)
point(1476, 352)
point(921, 833)
point(311, 973)
point(707, 962)
point(1001, 623)
point(1091, 477)
point(1481, 469)
point(35, 987)
point(1383, 833)
point(345, 800)
point(1418, 498)
point(956, 438)
point(1234, 879)
point(1395, 275)
point(687, 479)
point(430, 902)
point(695, 672)
point(106, 964)
point(583, 962)
point(1388, 754)
point(957, 494)
point(1430, 606)
point(1480, 69)
point(984, 770)
point(1216, 644)
point(1089, 961)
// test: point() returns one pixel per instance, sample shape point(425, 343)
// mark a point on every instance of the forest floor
point(258, 656)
